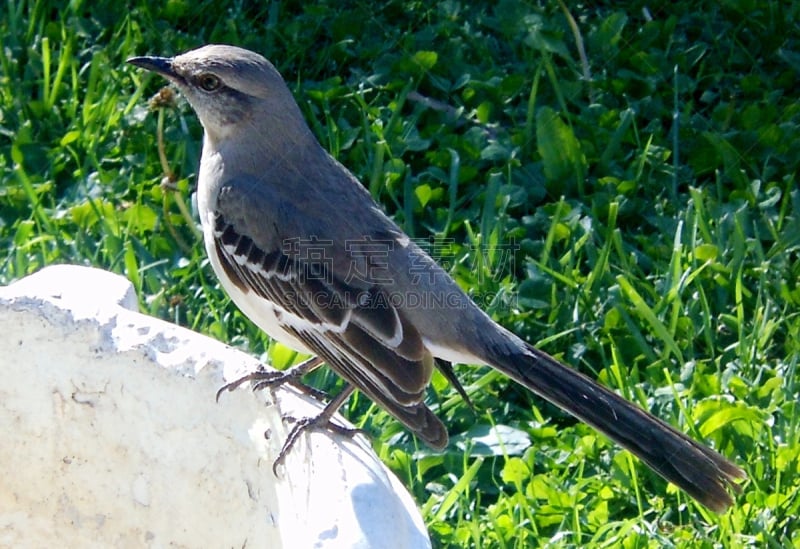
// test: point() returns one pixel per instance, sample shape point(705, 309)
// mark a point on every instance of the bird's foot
point(319, 422)
point(264, 379)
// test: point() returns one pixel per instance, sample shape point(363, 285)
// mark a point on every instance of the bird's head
point(233, 91)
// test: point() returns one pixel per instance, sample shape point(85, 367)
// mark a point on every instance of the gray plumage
point(270, 198)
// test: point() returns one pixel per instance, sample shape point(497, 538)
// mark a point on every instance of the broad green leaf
point(557, 145)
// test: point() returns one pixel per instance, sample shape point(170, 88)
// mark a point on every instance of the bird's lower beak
point(160, 65)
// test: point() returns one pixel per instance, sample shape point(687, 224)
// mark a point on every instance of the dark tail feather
point(703, 473)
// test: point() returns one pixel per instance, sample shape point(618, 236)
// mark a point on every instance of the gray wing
point(346, 320)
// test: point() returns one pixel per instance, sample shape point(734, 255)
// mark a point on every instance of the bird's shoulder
point(332, 221)
point(323, 201)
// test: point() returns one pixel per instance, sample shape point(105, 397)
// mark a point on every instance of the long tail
point(700, 471)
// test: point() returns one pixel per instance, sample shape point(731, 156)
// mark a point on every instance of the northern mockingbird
point(305, 252)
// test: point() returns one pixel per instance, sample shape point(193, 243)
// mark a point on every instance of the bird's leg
point(320, 421)
point(292, 376)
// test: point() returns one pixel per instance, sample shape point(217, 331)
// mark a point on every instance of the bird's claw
point(263, 380)
point(321, 421)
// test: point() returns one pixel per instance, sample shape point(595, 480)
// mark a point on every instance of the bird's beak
point(160, 65)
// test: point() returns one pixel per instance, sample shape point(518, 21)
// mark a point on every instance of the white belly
point(260, 311)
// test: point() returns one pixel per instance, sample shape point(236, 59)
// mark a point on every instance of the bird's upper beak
point(160, 65)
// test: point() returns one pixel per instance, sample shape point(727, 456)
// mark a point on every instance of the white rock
point(112, 437)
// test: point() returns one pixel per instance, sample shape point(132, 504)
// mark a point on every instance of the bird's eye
point(209, 82)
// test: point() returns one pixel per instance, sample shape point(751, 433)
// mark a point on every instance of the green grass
point(636, 214)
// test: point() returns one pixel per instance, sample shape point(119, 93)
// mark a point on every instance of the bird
point(305, 252)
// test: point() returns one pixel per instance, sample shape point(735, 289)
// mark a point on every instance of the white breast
point(262, 312)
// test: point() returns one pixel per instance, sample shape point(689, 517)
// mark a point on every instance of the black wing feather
point(371, 346)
